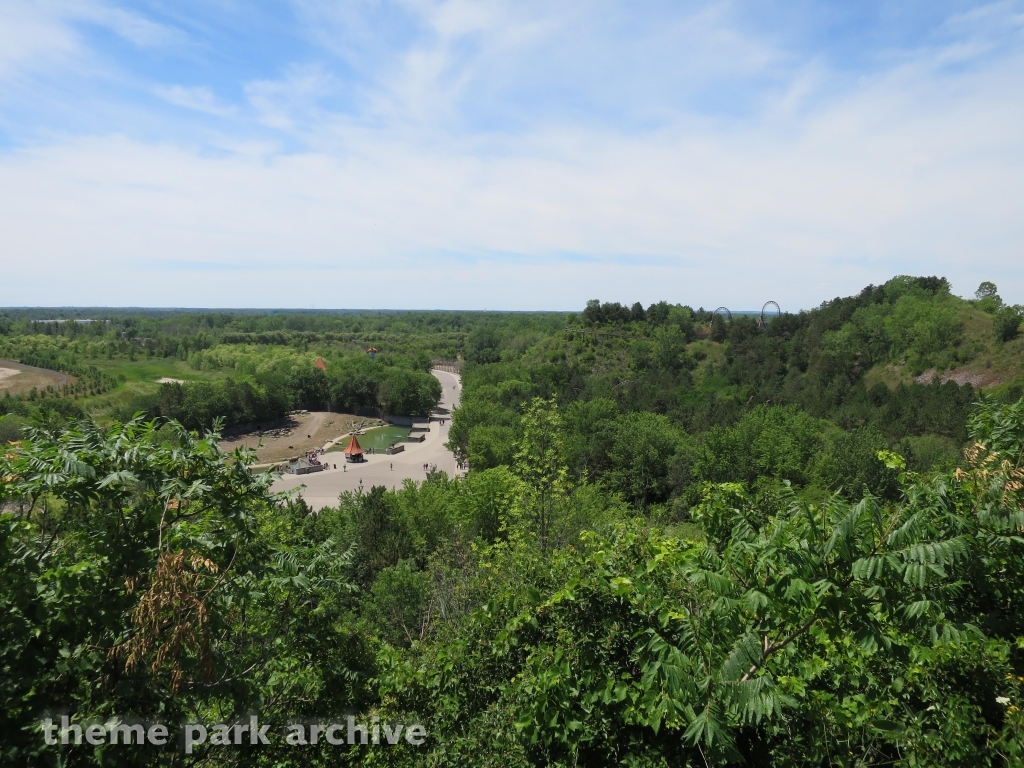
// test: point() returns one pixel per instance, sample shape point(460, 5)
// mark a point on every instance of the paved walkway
point(322, 488)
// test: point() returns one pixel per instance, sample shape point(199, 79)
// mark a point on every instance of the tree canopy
point(678, 542)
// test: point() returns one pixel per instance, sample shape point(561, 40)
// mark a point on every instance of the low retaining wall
point(293, 470)
point(395, 449)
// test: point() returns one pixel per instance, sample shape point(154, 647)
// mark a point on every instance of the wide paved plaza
point(322, 488)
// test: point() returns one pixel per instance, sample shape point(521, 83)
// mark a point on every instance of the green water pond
point(379, 439)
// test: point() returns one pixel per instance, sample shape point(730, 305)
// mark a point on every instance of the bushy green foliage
point(11, 427)
point(787, 401)
point(917, 327)
point(482, 346)
point(284, 380)
point(397, 603)
point(792, 634)
point(273, 353)
point(1006, 320)
point(198, 404)
point(785, 444)
point(677, 545)
point(525, 617)
point(641, 452)
point(147, 577)
point(1006, 323)
point(929, 452)
point(408, 392)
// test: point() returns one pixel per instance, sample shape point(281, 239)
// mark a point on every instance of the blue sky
point(505, 155)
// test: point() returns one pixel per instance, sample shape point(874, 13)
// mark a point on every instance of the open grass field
point(109, 405)
point(141, 377)
point(151, 369)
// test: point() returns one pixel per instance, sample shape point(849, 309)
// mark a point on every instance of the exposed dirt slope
point(300, 432)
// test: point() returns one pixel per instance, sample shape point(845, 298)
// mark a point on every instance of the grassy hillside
point(995, 366)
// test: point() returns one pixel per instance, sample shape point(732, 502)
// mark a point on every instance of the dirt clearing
point(17, 378)
point(300, 432)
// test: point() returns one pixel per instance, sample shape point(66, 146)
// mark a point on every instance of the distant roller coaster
point(762, 321)
point(720, 310)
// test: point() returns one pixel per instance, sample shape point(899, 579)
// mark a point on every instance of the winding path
point(322, 488)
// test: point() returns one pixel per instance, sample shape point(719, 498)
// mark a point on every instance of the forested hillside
point(682, 540)
point(657, 401)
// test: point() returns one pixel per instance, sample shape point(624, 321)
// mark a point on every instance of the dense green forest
point(683, 540)
point(655, 402)
point(206, 377)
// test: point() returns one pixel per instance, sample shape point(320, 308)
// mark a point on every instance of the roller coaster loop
point(763, 321)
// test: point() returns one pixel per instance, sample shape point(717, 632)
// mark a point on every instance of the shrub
point(1006, 323)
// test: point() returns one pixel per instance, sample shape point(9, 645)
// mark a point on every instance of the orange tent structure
point(320, 364)
point(353, 451)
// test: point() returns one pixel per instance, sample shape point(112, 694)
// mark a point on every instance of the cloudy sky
point(505, 154)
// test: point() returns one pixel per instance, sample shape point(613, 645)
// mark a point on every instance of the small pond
point(379, 439)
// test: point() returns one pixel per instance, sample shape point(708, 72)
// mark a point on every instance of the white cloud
point(40, 34)
point(28, 33)
point(292, 100)
point(133, 27)
point(199, 99)
point(396, 203)
point(453, 58)
point(907, 175)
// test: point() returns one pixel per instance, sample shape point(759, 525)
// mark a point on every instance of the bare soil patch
point(301, 431)
point(17, 378)
point(976, 374)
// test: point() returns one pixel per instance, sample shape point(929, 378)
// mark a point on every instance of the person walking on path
point(392, 466)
